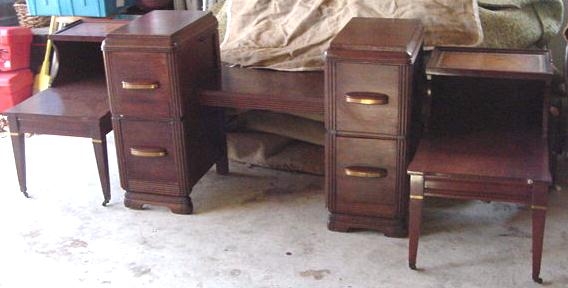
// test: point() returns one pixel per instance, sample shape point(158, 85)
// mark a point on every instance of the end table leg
point(538, 223)
point(415, 217)
point(19, 148)
point(222, 164)
point(101, 155)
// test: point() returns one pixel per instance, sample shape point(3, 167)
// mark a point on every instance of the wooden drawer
point(140, 84)
point(367, 98)
point(148, 155)
point(366, 177)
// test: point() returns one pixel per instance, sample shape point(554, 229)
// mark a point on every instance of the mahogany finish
point(165, 140)
point(371, 70)
point(379, 67)
point(76, 104)
point(497, 163)
point(266, 90)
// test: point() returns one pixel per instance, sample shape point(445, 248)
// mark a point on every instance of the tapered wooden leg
point(538, 207)
point(538, 223)
point(222, 164)
point(19, 148)
point(101, 155)
point(415, 217)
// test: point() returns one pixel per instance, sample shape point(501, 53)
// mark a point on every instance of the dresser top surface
point(160, 23)
point(391, 36)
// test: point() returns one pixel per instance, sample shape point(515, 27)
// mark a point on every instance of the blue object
point(89, 8)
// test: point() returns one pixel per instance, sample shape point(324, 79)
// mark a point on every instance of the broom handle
point(52, 23)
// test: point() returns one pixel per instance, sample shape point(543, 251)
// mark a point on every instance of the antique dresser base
point(176, 204)
point(345, 223)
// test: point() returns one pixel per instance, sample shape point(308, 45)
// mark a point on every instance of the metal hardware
point(537, 207)
point(416, 197)
point(148, 152)
point(365, 172)
point(530, 181)
point(367, 98)
point(140, 85)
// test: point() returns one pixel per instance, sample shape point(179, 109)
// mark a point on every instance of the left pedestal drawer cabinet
point(165, 140)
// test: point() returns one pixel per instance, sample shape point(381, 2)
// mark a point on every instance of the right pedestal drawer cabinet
point(372, 68)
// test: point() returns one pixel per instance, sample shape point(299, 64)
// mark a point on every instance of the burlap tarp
point(293, 34)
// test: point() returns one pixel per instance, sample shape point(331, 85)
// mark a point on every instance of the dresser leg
point(182, 208)
point(176, 204)
point(395, 228)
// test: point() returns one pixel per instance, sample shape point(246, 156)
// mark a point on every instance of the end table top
point(493, 63)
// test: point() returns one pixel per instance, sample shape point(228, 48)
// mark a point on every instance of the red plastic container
point(15, 87)
point(15, 45)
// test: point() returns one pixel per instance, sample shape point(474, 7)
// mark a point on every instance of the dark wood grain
point(88, 30)
point(77, 102)
point(371, 57)
point(490, 161)
point(491, 63)
point(177, 52)
point(265, 89)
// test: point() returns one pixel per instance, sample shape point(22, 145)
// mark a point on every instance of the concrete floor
point(253, 228)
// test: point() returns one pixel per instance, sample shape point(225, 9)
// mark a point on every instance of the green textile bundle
point(519, 23)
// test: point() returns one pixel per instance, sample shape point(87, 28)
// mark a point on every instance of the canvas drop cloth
point(292, 35)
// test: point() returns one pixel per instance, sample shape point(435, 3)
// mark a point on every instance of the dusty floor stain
point(317, 274)
point(235, 272)
point(76, 243)
point(33, 234)
point(515, 232)
point(139, 270)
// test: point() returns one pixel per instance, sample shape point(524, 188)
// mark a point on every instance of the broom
point(42, 80)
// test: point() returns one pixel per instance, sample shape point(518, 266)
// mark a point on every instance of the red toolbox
point(15, 44)
point(15, 87)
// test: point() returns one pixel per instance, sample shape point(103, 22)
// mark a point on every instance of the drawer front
point(366, 177)
point(141, 84)
point(367, 98)
point(149, 156)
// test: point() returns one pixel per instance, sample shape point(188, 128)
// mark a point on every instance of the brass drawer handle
point(366, 172)
point(148, 152)
point(367, 98)
point(140, 85)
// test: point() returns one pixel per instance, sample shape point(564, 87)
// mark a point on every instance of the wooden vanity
point(168, 88)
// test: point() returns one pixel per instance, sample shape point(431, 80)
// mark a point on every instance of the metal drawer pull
point(148, 152)
point(365, 172)
point(367, 98)
point(140, 85)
